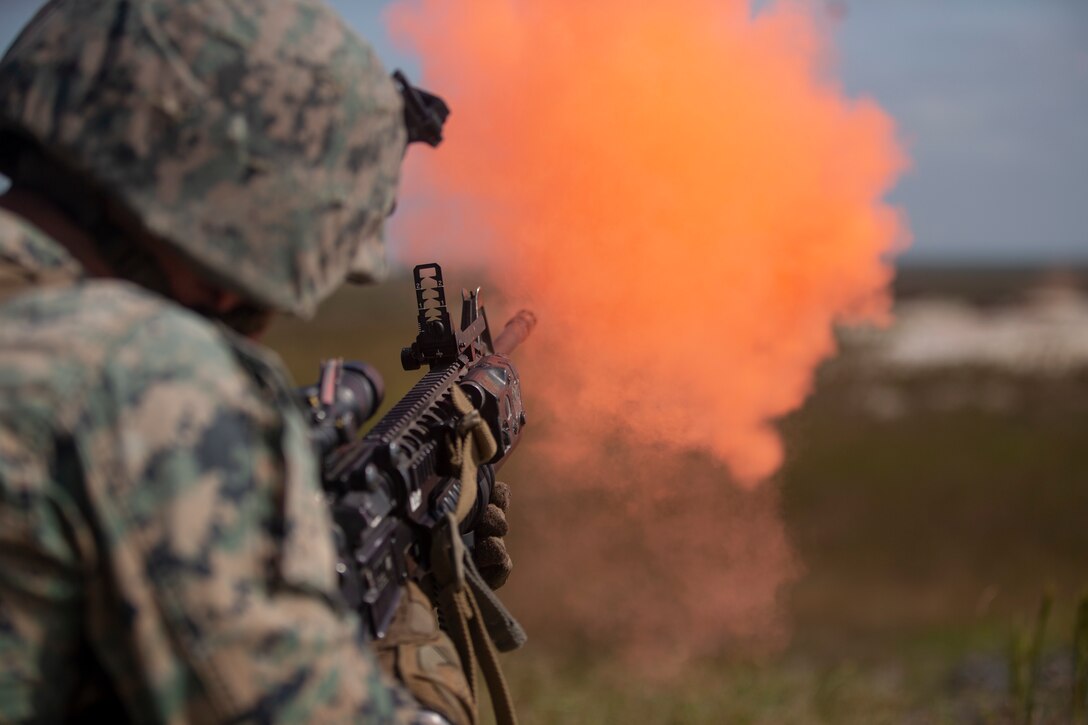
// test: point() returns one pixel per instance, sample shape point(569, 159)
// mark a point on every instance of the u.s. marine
point(181, 170)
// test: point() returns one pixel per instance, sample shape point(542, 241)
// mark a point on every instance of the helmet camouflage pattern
point(260, 138)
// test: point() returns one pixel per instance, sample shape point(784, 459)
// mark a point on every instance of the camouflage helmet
point(262, 139)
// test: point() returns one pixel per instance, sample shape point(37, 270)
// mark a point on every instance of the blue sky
point(991, 99)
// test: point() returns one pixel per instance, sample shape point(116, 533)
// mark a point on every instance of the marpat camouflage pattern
point(165, 552)
point(262, 139)
point(163, 544)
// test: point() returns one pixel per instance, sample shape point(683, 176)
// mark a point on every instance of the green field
point(924, 544)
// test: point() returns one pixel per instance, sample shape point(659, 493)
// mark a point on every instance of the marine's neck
point(47, 217)
point(161, 269)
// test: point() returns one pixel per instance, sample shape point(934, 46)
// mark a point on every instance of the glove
point(415, 652)
point(489, 554)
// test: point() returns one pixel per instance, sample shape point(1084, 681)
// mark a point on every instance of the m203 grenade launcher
point(392, 489)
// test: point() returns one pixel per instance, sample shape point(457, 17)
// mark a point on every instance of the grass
point(927, 542)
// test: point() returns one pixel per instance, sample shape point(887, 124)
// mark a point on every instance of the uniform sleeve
point(219, 545)
point(41, 598)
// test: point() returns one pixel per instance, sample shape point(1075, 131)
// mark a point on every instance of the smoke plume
point(685, 197)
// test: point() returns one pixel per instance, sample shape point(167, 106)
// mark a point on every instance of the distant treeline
point(985, 284)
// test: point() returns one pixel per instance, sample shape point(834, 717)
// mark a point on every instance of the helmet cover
point(262, 139)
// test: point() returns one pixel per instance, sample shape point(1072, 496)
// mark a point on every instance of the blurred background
point(929, 523)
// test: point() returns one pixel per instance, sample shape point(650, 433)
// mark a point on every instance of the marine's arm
point(220, 544)
point(40, 587)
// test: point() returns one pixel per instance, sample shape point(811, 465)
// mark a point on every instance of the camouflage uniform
point(160, 522)
point(164, 551)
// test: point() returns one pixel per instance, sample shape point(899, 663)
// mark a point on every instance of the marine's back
point(163, 548)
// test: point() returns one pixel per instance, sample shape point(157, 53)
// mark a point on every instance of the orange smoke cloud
point(687, 201)
point(678, 191)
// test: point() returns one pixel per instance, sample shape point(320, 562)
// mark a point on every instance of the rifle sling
point(475, 446)
point(474, 634)
point(506, 632)
point(465, 623)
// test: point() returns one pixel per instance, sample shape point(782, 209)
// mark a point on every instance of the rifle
point(390, 490)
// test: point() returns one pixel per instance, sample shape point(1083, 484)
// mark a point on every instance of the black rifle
point(390, 489)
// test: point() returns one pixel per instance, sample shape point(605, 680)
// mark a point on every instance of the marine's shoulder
point(29, 255)
point(59, 345)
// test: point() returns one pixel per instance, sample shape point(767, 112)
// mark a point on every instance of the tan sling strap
point(475, 445)
point(456, 578)
point(464, 622)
